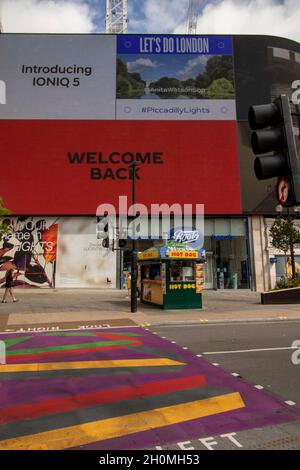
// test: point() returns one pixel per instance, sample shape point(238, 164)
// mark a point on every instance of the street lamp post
point(133, 253)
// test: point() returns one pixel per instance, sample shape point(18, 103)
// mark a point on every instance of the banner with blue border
point(174, 44)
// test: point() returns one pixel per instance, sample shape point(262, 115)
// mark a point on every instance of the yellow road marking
point(38, 367)
point(111, 428)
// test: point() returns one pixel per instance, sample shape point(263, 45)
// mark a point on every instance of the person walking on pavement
point(8, 286)
point(129, 284)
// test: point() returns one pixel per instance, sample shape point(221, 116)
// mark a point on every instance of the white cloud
point(160, 16)
point(139, 64)
point(46, 16)
point(193, 67)
point(267, 17)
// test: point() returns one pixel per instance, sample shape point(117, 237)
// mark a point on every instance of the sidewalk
point(108, 306)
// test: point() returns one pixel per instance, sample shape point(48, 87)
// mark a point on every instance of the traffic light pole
point(133, 253)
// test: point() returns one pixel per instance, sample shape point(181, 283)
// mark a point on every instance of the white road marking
point(229, 323)
point(184, 347)
point(215, 364)
point(235, 374)
point(290, 402)
point(53, 329)
point(248, 350)
point(259, 387)
point(199, 355)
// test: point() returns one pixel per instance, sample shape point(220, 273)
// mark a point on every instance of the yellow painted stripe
point(37, 367)
point(111, 428)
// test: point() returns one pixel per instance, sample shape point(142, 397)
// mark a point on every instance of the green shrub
point(287, 283)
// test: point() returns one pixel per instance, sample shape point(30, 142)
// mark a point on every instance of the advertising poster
point(82, 261)
point(57, 76)
point(55, 252)
point(30, 248)
point(175, 77)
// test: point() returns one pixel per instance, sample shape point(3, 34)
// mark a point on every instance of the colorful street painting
point(120, 388)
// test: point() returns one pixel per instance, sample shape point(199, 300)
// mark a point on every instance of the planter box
point(281, 296)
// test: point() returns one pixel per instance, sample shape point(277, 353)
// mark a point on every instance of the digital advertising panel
point(57, 76)
point(76, 110)
point(175, 77)
point(71, 167)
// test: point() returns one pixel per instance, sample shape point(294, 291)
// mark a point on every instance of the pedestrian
point(129, 284)
point(8, 286)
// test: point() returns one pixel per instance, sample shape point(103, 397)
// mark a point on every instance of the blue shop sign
point(222, 237)
point(273, 260)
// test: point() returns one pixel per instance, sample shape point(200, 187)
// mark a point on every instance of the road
point(229, 386)
point(258, 352)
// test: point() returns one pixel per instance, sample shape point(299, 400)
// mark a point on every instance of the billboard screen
point(77, 109)
point(71, 106)
point(70, 167)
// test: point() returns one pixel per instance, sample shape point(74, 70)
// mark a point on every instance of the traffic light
point(102, 231)
point(122, 243)
point(273, 132)
point(122, 238)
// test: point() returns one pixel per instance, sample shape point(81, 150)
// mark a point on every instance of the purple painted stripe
point(40, 389)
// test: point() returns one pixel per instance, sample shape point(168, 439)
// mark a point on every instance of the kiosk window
point(151, 272)
point(182, 271)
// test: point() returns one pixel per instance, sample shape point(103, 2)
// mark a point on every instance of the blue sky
point(273, 17)
point(139, 13)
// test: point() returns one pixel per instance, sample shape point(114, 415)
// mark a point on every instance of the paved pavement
point(104, 306)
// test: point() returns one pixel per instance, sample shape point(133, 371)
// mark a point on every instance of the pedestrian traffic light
point(273, 132)
point(102, 231)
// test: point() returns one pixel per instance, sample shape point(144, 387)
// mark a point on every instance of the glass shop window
point(151, 272)
point(182, 271)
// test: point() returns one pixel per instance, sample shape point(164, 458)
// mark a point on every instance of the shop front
point(226, 244)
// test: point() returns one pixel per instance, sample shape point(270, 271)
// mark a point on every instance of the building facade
point(77, 110)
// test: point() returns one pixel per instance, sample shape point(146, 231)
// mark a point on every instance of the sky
point(273, 17)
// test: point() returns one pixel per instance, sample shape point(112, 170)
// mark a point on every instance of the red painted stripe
point(70, 352)
point(60, 405)
point(117, 336)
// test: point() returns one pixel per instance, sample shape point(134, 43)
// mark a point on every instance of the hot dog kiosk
point(171, 276)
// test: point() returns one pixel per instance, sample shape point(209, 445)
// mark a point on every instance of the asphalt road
point(111, 379)
point(247, 349)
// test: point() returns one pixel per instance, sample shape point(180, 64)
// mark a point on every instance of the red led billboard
point(70, 167)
